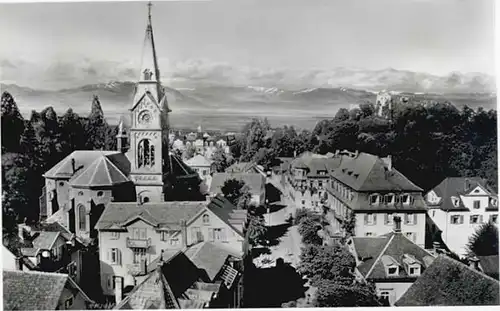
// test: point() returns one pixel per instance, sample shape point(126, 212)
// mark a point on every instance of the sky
point(40, 41)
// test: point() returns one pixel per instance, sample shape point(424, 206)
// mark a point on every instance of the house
point(370, 190)
point(175, 283)
point(178, 145)
point(244, 167)
point(132, 235)
point(256, 183)
point(201, 165)
point(32, 290)
point(391, 261)
point(448, 282)
point(221, 143)
point(306, 180)
point(458, 206)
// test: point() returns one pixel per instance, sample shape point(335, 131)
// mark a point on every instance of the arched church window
point(145, 153)
point(82, 218)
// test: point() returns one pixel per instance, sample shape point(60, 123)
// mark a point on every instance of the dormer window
point(391, 265)
point(494, 202)
point(414, 270)
point(455, 201)
point(374, 199)
point(206, 219)
point(392, 271)
point(389, 199)
point(412, 265)
point(406, 199)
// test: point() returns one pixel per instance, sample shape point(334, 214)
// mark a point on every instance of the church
point(142, 170)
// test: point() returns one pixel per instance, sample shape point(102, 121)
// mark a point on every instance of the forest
point(428, 141)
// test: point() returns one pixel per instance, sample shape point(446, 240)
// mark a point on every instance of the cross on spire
point(149, 12)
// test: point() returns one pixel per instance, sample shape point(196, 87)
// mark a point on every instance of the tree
point(341, 115)
point(220, 160)
point(189, 152)
point(12, 124)
point(484, 242)
point(326, 263)
point(96, 127)
point(237, 192)
point(308, 229)
point(348, 226)
point(72, 132)
point(331, 293)
point(256, 230)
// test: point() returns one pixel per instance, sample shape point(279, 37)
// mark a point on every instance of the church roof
point(83, 159)
point(102, 172)
point(198, 160)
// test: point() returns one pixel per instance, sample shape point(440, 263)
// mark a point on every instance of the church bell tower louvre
point(149, 119)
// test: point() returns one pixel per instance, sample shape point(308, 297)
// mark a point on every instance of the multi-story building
point(201, 165)
point(132, 235)
point(255, 182)
point(391, 261)
point(370, 190)
point(457, 207)
point(307, 179)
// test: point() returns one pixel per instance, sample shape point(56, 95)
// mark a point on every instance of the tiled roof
point(451, 283)
point(179, 168)
point(23, 290)
point(209, 257)
point(153, 293)
point(83, 158)
point(242, 167)
point(254, 181)
point(198, 160)
point(456, 186)
point(45, 240)
point(367, 172)
point(158, 214)
point(102, 172)
point(228, 213)
point(388, 247)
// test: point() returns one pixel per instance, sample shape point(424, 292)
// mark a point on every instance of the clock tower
point(146, 139)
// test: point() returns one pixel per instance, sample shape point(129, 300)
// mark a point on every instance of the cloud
point(189, 73)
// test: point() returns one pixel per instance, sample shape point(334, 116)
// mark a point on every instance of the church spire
point(149, 65)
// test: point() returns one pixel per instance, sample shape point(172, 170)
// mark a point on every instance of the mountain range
point(217, 106)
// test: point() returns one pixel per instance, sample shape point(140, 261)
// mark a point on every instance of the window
point(477, 204)
point(433, 213)
point(114, 256)
point(374, 199)
point(385, 294)
point(206, 219)
point(61, 184)
point(68, 303)
point(414, 271)
point(494, 202)
point(80, 193)
point(456, 219)
point(411, 219)
point(146, 153)
point(174, 241)
point(196, 235)
point(392, 271)
point(218, 234)
point(164, 235)
point(139, 255)
point(389, 199)
point(476, 219)
point(389, 219)
point(455, 201)
point(82, 218)
point(139, 233)
point(411, 236)
point(320, 184)
point(370, 219)
point(145, 200)
point(110, 281)
point(100, 193)
point(115, 235)
point(494, 218)
point(368, 233)
point(406, 199)
point(303, 202)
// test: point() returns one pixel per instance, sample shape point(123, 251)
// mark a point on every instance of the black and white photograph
point(249, 154)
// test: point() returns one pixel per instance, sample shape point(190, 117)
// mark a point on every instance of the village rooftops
point(376, 255)
point(316, 165)
point(101, 173)
point(210, 257)
point(243, 167)
point(30, 290)
point(166, 215)
point(254, 181)
point(366, 172)
point(448, 282)
point(227, 212)
point(198, 160)
point(452, 188)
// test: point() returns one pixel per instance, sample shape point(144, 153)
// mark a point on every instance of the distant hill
point(221, 107)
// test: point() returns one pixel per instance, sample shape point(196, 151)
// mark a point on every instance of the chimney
point(139, 200)
point(20, 232)
point(19, 264)
point(474, 263)
point(73, 165)
point(295, 153)
point(397, 224)
point(356, 153)
point(388, 162)
point(436, 246)
point(184, 233)
point(118, 289)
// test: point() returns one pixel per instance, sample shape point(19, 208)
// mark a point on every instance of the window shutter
point(223, 234)
point(415, 218)
point(374, 219)
point(461, 219)
point(366, 219)
point(119, 256)
point(407, 219)
point(451, 219)
point(386, 217)
point(480, 219)
point(109, 255)
point(211, 234)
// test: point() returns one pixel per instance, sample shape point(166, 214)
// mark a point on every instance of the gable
point(479, 190)
point(214, 221)
point(138, 222)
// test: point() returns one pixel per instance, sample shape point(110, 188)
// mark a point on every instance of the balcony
point(138, 243)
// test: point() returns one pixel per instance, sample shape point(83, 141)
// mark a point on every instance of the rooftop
point(254, 181)
point(210, 257)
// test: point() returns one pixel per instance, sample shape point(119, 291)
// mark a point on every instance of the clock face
point(145, 117)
